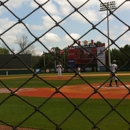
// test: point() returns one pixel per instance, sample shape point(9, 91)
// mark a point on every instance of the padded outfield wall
point(15, 64)
point(10, 61)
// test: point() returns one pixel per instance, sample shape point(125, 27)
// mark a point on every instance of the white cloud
point(76, 16)
point(17, 4)
point(37, 27)
point(59, 9)
point(126, 38)
point(2, 9)
point(35, 5)
point(38, 49)
point(50, 38)
point(5, 23)
point(68, 40)
point(99, 38)
point(78, 3)
point(13, 4)
point(49, 6)
point(10, 35)
point(64, 7)
point(91, 15)
point(48, 22)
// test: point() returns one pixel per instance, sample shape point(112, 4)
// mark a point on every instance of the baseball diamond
point(74, 91)
point(79, 91)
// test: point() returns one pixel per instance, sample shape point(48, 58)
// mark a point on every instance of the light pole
point(43, 54)
point(44, 60)
point(106, 7)
point(53, 49)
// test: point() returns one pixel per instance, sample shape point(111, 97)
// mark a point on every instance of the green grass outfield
point(71, 114)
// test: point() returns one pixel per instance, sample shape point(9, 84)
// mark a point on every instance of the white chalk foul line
point(4, 90)
point(111, 87)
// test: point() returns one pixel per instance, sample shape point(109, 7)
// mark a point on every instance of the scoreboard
point(87, 54)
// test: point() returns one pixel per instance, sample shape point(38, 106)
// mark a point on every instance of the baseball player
point(59, 69)
point(78, 69)
point(113, 70)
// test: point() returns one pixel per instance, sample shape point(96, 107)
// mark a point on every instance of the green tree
point(4, 51)
point(50, 59)
point(125, 55)
point(122, 55)
point(127, 49)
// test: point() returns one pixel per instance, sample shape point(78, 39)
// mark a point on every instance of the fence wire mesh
point(90, 122)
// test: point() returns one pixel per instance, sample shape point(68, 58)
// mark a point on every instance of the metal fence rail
point(94, 124)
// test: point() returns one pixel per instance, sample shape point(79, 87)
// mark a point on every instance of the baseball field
point(47, 102)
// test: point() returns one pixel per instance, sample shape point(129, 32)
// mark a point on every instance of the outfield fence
point(94, 27)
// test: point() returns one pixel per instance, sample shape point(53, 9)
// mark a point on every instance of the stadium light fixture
point(107, 6)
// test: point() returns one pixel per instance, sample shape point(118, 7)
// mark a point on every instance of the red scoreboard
point(87, 54)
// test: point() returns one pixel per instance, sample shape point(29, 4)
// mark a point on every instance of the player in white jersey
point(113, 70)
point(78, 69)
point(59, 69)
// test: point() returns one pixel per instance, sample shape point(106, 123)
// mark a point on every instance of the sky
point(41, 25)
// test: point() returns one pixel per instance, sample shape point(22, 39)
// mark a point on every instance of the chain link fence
point(94, 124)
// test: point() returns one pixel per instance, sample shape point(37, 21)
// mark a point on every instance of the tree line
point(121, 55)
point(50, 59)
